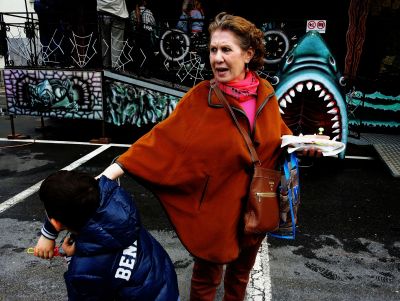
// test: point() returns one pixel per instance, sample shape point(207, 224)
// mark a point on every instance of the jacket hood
point(114, 226)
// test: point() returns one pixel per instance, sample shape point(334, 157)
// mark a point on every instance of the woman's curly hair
point(246, 32)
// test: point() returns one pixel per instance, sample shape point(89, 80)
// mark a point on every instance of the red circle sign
point(311, 24)
point(321, 24)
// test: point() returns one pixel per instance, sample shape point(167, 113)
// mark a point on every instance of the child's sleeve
point(48, 230)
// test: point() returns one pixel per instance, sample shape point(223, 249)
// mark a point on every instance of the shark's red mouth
point(310, 108)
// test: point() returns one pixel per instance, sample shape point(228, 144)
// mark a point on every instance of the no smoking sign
point(318, 25)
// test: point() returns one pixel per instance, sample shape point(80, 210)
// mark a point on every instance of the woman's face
point(227, 59)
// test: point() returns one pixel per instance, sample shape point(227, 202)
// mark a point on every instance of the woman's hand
point(44, 248)
point(311, 152)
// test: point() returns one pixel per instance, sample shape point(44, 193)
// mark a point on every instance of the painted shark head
point(309, 92)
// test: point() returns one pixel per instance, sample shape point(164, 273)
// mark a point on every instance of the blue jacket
point(116, 258)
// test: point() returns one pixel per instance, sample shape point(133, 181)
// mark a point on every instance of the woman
point(182, 24)
point(197, 16)
point(198, 165)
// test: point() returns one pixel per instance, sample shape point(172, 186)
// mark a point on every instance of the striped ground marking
point(33, 189)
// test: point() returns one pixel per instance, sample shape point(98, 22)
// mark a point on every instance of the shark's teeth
point(323, 94)
point(299, 87)
point(335, 138)
point(317, 87)
point(330, 104)
point(333, 111)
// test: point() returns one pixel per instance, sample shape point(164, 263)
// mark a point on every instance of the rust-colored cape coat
point(198, 165)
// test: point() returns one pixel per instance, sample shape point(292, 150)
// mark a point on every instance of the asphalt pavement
point(348, 239)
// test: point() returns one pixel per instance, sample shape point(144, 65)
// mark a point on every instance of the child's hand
point(44, 248)
point(68, 246)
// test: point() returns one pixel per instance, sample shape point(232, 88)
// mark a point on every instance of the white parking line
point(19, 197)
point(61, 142)
point(87, 157)
point(259, 287)
point(33, 189)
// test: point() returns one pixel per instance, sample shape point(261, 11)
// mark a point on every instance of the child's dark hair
point(70, 197)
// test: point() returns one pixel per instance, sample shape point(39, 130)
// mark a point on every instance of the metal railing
point(44, 41)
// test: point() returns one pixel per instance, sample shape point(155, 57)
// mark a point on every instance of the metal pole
point(12, 125)
point(26, 10)
point(13, 134)
point(103, 128)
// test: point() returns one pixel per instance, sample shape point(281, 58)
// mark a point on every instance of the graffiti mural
point(279, 39)
point(128, 104)
point(54, 93)
point(373, 110)
point(309, 90)
point(186, 56)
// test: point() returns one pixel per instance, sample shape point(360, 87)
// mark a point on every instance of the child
point(114, 257)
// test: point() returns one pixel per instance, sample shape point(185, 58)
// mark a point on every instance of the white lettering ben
point(127, 262)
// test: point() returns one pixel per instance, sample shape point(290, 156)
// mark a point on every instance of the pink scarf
point(245, 91)
point(242, 90)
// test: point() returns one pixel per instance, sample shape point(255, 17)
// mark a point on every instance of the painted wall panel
point(54, 93)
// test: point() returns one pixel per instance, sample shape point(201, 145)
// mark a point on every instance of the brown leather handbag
point(262, 209)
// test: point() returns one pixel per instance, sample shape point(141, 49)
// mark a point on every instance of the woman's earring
point(246, 65)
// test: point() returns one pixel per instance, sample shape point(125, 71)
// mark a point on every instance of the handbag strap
point(246, 137)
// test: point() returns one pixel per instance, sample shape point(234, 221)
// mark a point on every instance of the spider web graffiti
point(24, 51)
point(124, 56)
point(270, 76)
point(83, 49)
point(191, 68)
point(47, 52)
point(21, 50)
point(120, 56)
point(80, 51)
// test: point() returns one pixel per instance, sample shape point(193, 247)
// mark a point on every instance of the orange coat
point(198, 165)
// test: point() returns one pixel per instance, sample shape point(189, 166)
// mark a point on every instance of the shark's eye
point(289, 59)
point(342, 81)
point(332, 61)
